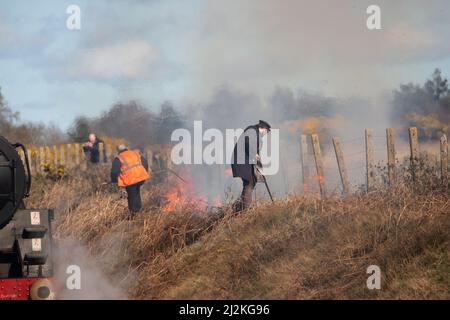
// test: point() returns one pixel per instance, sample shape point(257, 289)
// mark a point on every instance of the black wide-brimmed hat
point(264, 124)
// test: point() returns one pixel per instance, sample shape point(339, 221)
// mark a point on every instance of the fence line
point(45, 159)
point(369, 166)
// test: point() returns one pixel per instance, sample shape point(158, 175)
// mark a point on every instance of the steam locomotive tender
point(26, 266)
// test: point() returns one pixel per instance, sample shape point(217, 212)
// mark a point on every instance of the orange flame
point(182, 194)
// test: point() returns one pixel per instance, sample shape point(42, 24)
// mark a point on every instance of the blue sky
point(182, 51)
point(41, 60)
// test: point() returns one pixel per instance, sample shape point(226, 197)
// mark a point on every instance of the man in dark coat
point(245, 157)
point(92, 150)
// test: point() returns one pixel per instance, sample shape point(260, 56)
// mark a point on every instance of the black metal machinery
point(25, 234)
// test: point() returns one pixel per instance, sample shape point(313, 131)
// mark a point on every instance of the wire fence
point(354, 161)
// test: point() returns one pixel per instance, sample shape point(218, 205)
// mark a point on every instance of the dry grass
point(299, 248)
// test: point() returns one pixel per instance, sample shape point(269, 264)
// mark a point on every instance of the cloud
point(158, 50)
point(127, 60)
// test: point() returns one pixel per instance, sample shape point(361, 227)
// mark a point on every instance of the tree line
point(425, 106)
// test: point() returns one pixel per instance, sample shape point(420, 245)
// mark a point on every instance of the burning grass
point(302, 247)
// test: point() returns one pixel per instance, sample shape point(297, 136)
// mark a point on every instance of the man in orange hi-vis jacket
point(130, 170)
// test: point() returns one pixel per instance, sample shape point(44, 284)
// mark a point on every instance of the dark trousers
point(245, 200)
point(134, 197)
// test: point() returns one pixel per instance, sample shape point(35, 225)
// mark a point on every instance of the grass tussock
point(302, 247)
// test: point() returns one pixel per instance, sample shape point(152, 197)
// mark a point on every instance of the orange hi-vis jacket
point(132, 170)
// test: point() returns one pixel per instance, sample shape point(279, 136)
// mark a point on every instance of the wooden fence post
point(41, 159)
point(30, 159)
point(55, 157)
point(319, 163)
point(35, 161)
point(391, 155)
point(304, 160)
point(47, 156)
point(414, 148)
point(69, 158)
point(341, 164)
point(444, 159)
point(101, 147)
point(370, 172)
point(77, 153)
point(62, 155)
point(109, 151)
point(34, 155)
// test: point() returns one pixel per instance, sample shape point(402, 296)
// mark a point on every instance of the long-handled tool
point(171, 171)
point(263, 178)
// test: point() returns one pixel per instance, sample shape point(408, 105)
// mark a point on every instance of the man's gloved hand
point(258, 161)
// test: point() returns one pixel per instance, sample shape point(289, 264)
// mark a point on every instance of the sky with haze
point(182, 51)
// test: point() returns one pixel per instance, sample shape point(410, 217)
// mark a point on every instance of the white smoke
point(95, 284)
